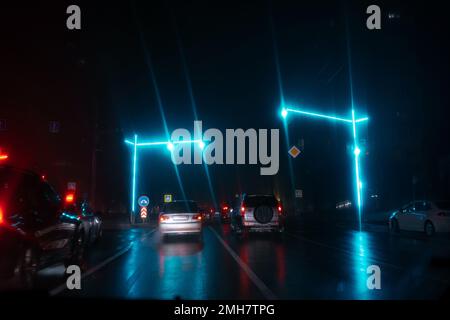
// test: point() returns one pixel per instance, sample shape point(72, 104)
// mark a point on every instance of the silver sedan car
point(180, 218)
point(425, 216)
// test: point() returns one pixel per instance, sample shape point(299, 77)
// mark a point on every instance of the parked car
point(180, 218)
point(207, 214)
point(35, 231)
point(257, 213)
point(225, 213)
point(425, 216)
point(90, 222)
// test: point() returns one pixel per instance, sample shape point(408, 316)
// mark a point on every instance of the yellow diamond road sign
point(294, 152)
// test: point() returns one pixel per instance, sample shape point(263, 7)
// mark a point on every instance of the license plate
point(180, 218)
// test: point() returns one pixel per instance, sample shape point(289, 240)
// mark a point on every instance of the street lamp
point(356, 150)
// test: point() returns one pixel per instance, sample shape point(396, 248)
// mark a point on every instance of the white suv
point(257, 213)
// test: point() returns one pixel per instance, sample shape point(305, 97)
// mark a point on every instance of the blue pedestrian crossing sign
point(143, 201)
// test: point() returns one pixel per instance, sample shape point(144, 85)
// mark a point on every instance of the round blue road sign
point(143, 201)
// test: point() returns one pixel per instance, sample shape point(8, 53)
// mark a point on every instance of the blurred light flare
point(285, 110)
point(70, 197)
point(133, 192)
point(170, 145)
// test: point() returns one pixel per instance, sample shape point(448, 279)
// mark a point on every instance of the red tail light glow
point(3, 157)
point(242, 209)
point(197, 217)
point(70, 197)
point(163, 218)
point(2, 219)
point(280, 209)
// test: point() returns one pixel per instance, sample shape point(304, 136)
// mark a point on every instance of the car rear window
point(181, 207)
point(255, 201)
point(443, 205)
point(10, 186)
point(9, 181)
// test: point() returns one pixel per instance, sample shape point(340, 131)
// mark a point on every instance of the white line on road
point(101, 265)
point(268, 294)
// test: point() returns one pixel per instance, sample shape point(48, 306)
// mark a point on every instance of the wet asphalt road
point(308, 262)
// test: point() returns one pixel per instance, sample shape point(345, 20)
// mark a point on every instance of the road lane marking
point(268, 294)
point(101, 265)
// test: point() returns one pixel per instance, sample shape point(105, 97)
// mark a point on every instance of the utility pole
point(94, 160)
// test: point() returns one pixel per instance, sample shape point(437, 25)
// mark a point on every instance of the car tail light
point(242, 210)
point(197, 217)
point(163, 218)
point(4, 157)
point(280, 209)
point(70, 197)
point(225, 208)
point(2, 218)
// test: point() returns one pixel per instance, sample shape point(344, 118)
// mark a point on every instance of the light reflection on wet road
point(306, 264)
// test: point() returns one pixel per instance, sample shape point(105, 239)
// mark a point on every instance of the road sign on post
point(53, 126)
point(72, 186)
point(143, 213)
point(143, 201)
point(167, 198)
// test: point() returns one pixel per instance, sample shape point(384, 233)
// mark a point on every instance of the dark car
point(207, 213)
point(91, 224)
point(225, 213)
point(35, 232)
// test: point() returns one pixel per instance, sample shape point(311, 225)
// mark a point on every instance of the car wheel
point(429, 229)
point(236, 228)
point(27, 270)
point(99, 235)
point(240, 233)
point(77, 250)
point(394, 226)
point(163, 237)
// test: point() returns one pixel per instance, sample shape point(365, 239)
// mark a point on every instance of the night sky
point(102, 85)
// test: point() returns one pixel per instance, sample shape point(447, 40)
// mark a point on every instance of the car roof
point(259, 195)
point(9, 168)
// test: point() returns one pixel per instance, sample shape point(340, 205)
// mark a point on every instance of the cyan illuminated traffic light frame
point(136, 145)
point(285, 110)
